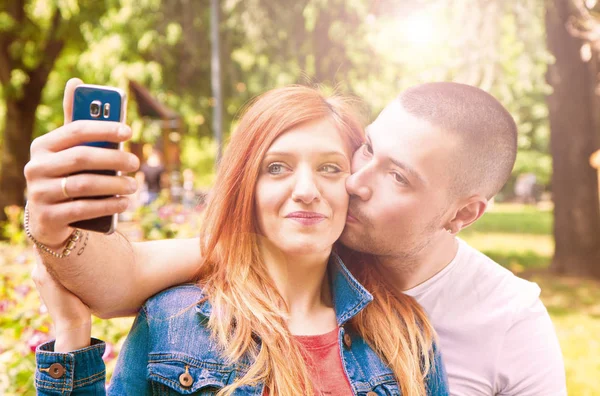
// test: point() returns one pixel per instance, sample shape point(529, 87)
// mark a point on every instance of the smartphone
point(100, 103)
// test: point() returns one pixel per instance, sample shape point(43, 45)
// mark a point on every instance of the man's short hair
point(486, 132)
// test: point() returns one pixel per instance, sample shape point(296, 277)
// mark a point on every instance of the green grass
point(520, 238)
point(514, 219)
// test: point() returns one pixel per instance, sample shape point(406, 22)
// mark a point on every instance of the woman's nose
point(305, 189)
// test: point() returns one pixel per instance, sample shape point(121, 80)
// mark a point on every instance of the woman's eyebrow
point(321, 153)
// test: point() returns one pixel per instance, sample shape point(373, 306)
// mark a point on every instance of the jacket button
point(186, 380)
point(348, 341)
point(56, 370)
point(371, 393)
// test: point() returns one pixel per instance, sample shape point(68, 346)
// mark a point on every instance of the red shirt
point(324, 362)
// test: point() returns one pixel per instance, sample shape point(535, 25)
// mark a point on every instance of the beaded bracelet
point(71, 241)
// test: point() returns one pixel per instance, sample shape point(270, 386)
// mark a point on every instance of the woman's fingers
point(80, 159)
point(80, 209)
point(68, 98)
point(80, 132)
point(81, 186)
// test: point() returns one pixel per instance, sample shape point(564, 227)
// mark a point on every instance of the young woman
point(275, 311)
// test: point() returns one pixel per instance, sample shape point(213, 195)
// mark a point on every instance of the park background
point(190, 65)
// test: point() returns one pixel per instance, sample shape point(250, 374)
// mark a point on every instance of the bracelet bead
point(71, 241)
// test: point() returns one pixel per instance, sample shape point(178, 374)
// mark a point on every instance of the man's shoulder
point(491, 283)
point(174, 301)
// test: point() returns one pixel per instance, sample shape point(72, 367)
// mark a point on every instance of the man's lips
point(350, 218)
point(306, 218)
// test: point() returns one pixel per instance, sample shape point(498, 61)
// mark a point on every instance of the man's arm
point(107, 272)
point(114, 276)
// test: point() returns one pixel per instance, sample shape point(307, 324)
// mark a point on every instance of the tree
point(32, 37)
point(573, 108)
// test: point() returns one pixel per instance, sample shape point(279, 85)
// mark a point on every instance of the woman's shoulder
point(175, 300)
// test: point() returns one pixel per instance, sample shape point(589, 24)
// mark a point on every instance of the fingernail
point(124, 131)
point(132, 185)
point(123, 203)
point(133, 161)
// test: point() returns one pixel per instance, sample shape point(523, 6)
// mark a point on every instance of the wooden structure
point(595, 163)
point(171, 126)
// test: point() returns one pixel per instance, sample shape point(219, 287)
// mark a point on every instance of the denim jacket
point(169, 351)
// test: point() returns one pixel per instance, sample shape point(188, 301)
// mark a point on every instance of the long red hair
point(244, 299)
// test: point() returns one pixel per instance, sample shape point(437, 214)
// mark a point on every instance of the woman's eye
point(276, 169)
point(329, 168)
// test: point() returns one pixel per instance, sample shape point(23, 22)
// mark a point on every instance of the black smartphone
point(100, 103)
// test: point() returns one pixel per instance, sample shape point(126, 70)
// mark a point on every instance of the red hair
point(245, 300)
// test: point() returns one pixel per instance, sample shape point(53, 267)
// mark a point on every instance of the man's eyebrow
point(367, 134)
point(413, 173)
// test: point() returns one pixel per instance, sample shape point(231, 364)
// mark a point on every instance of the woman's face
point(301, 199)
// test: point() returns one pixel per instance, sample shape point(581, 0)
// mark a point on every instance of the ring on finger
point(63, 186)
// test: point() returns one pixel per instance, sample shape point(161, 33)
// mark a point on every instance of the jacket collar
point(349, 296)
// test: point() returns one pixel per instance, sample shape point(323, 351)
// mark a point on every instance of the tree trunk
point(574, 138)
point(215, 76)
point(18, 132)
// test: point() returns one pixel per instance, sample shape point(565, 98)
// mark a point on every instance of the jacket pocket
point(381, 387)
point(184, 375)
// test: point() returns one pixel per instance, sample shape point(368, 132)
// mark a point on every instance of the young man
point(432, 160)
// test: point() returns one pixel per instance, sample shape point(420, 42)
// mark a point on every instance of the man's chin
point(351, 239)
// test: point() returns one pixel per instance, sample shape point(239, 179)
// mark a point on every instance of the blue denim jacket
point(169, 351)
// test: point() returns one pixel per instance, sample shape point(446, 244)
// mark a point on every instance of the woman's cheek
point(341, 199)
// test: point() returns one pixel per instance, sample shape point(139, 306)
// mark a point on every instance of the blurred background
point(189, 66)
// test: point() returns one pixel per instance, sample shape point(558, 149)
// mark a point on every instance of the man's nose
point(357, 183)
point(305, 189)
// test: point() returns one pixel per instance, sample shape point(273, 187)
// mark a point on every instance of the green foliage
point(12, 229)
point(536, 162)
point(31, 32)
point(359, 47)
point(198, 154)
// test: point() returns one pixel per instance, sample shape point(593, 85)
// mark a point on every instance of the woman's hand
point(54, 175)
point(72, 318)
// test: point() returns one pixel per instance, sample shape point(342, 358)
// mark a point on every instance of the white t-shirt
point(495, 334)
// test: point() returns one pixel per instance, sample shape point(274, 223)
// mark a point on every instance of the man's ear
point(469, 211)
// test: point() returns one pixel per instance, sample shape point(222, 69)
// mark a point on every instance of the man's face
point(399, 187)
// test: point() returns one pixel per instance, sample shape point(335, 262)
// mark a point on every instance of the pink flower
point(22, 290)
point(4, 305)
point(165, 212)
point(37, 339)
point(109, 353)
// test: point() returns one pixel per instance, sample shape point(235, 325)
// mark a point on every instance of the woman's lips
point(306, 218)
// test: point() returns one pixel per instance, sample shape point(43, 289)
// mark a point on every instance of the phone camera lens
point(95, 108)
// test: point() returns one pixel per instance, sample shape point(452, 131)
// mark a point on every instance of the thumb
point(68, 98)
